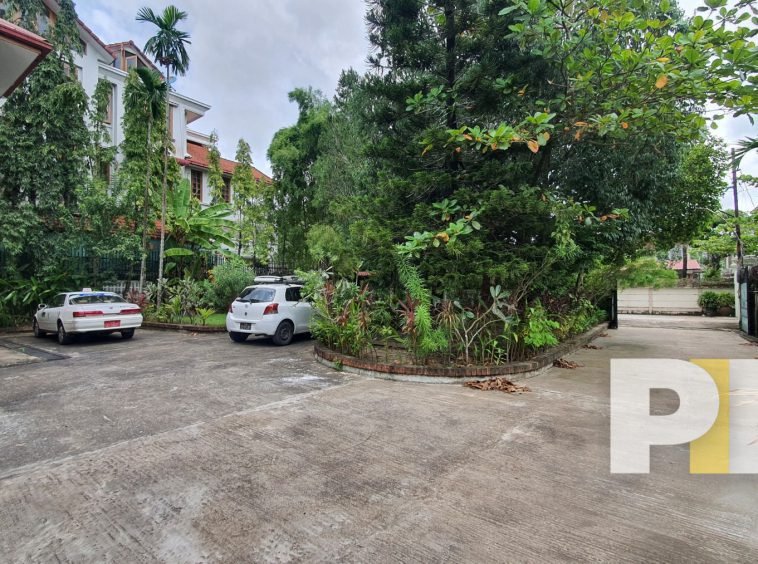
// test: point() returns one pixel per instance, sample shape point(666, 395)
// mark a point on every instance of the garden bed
point(184, 327)
point(457, 374)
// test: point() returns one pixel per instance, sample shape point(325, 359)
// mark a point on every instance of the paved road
point(182, 448)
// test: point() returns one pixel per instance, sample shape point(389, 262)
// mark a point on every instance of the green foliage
point(422, 338)
point(195, 230)
point(215, 175)
point(712, 301)
point(292, 153)
point(228, 280)
point(254, 233)
point(342, 317)
point(539, 330)
point(647, 272)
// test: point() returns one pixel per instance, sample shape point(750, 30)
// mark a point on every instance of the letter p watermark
point(717, 414)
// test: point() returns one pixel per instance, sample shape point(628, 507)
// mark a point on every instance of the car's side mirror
point(41, 306)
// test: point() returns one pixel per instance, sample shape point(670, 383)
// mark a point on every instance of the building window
point(196, 180)
point(105, 172)
point(109, 108)
point(171, 122)
point(43, 23)
point(226, 191)
point(131, 61)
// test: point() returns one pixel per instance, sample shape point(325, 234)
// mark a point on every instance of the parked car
point(71, 313)
point(272, 307)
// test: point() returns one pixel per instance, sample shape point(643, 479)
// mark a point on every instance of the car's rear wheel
point(238, 337)
point(37, 331)
point(284, 333)
point(63, 337)
point(127, 333)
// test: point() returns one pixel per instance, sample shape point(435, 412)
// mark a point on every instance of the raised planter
point(184, 327)
point(454, 375)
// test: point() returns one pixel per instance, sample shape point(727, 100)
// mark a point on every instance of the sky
point(247, 55)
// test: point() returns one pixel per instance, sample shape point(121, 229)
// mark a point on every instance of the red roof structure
point(198, 158)
point(20, 52)
point(117, 48)
point(692, 265)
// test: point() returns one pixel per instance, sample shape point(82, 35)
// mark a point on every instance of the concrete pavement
point(183, 448)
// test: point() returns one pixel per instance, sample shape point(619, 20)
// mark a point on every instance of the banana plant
point(194, 230)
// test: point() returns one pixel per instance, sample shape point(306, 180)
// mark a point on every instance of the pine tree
point(215, 174)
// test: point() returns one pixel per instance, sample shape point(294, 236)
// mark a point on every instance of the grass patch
point(215, 320)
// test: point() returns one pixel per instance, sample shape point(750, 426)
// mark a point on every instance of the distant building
point(694, 270)
point(112, 62)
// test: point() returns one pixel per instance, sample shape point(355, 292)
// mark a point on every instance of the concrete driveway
point(189, 448)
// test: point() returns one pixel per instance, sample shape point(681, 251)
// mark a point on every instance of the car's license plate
point(116, 323)
point(245, 326)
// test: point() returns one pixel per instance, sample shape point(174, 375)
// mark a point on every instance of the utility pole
point(737, 211)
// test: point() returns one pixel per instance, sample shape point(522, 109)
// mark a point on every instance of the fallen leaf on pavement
point(563, 363)
point(501, 384)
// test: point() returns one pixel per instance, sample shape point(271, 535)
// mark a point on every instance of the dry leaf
point(533, 146)
point(662, 81)
point(563, 363)
point(500, 384)
point(624, 125)
point(663, 59)
point(581, 124)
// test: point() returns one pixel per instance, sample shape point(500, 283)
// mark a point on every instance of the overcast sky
point(246, 55)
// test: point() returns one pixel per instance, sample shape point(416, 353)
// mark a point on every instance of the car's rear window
point(257, 295)
point(95, 299)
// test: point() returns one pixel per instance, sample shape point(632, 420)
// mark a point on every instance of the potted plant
point(726, 304)
point(709, 301)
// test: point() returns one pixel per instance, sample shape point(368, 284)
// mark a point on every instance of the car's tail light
point(271, 308)
point(230, 308)
point(131, 311)
point(87, 313)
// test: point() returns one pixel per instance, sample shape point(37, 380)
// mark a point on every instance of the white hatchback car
point(274, 309)
point(71, 313)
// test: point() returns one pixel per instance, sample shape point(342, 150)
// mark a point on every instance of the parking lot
point(187, 447)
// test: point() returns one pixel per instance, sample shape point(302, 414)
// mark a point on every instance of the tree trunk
point(684, 261)
point(146, 209)
point(163, 190)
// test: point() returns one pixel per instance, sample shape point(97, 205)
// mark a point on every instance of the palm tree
point(168, 48)
point(149, 94)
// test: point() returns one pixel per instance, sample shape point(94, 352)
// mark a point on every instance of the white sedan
point(71, 313)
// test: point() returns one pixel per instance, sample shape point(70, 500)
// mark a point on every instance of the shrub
point(725, 299)
point(647, 272)
point(539, 329)
point(709, 300)
point(228, 280)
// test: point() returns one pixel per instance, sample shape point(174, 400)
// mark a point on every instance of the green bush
point(647, 272)
point(539, 330)
point(714, 300)
point(228, 280)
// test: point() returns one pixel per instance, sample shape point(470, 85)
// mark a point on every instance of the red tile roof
point(19, 35)
point(692, 265)
point(198, 158)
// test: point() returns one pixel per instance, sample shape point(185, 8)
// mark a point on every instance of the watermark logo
point(717, 414)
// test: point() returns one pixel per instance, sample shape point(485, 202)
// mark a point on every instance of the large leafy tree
point(253, 231)
point(293, 153)
point(144, 104)
point(168, 46)
point(44, 142)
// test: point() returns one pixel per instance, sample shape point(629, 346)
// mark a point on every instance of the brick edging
point(183, 327)
point(458, 374)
